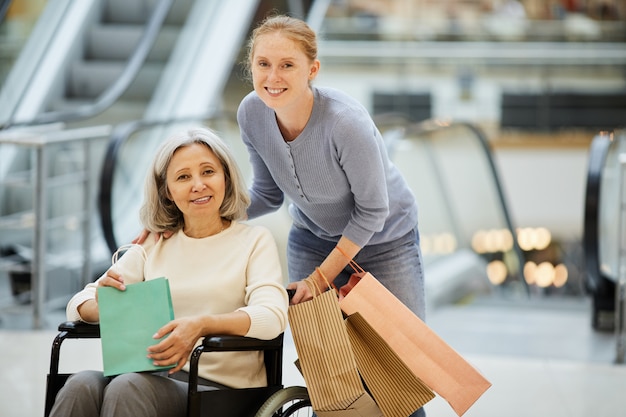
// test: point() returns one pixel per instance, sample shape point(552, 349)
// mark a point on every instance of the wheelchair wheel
point(290, 401)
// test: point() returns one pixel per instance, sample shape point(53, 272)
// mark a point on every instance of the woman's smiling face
point(281, 71)
point(196, 182)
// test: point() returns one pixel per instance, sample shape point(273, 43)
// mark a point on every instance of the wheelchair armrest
point(79, 329)
point(273, 355)
point(70, 330)
point(224, 343)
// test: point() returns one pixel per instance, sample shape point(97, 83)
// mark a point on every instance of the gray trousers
point(90, 394)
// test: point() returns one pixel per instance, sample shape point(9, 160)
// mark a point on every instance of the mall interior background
point(535, 81)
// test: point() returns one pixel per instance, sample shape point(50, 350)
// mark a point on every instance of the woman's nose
point(273, 75)
point(198, 185)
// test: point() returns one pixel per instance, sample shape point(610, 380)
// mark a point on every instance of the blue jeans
point(397, 265)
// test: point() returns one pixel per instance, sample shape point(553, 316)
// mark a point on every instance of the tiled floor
point(542, 357)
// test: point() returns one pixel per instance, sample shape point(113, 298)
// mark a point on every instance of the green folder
point(128, 320)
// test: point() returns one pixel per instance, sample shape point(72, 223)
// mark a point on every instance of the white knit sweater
point(237, 269)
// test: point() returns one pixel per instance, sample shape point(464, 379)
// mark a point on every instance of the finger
point(302, 294)
point(163, 357)
point(165, 330)
point(112, 280)
point(142, 237)
point(170, 356)
point(178, 367)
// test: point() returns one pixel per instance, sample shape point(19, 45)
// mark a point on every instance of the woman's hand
point(145, 233)
point(112, 279)
point(303, 293)
point(306, 289)
point(175, 349)
point(89, 310)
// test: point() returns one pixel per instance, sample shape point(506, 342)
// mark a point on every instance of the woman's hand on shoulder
point(143, 235)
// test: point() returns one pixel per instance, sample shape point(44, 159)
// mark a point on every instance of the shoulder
point(341, 106)
point(249, 98)
point(342, 114)
point(336, 98)
point(252, 113)
point(251, 232)
point(250, 102)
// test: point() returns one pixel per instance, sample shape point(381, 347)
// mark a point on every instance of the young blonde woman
point(319, 149)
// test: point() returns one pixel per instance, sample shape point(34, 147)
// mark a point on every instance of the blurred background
point(506, 117)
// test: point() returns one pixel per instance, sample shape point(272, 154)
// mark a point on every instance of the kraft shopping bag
point(426, 354)
point(326, 359)
point(128, 320)
point(396, 390)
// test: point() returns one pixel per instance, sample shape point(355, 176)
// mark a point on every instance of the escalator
point(79, 51)
point(92, 65)
point(602, 238)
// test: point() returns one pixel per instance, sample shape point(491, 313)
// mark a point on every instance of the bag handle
point(312, 283)
point(351, 262)
point(127, 247)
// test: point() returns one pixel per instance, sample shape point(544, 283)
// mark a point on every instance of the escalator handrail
point(119, 136)
point(598, 152)
point(114, 92)
point(432, 125)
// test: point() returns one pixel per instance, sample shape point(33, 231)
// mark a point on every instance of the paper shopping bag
point(326, 359)
point(128, 320)
point(437, 364)
point(396, 390)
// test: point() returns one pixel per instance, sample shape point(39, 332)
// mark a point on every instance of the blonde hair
point(295, 29)
point(158, 213)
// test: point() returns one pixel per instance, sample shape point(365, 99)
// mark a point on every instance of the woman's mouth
point(201, 200)
point(275, 91)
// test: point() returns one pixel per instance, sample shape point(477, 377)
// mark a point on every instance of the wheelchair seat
point(269, 401)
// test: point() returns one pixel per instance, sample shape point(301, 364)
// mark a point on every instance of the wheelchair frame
point(244, 402)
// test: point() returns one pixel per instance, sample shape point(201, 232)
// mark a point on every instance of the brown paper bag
point(326, 359)
point(432, 360)
point(396, 390)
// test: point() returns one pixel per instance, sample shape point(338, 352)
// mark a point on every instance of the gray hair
point(158, 213)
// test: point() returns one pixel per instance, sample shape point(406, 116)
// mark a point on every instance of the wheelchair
point(273, 400)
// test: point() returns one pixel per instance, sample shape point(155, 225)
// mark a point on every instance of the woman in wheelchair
point(225, 278)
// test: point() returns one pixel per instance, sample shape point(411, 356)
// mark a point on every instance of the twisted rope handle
point(126, 247)
point(313, 285)
point(352, 263)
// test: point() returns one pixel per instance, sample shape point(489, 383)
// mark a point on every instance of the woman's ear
point(314, 69)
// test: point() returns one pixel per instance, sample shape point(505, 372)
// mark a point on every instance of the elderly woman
point(225, 278)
